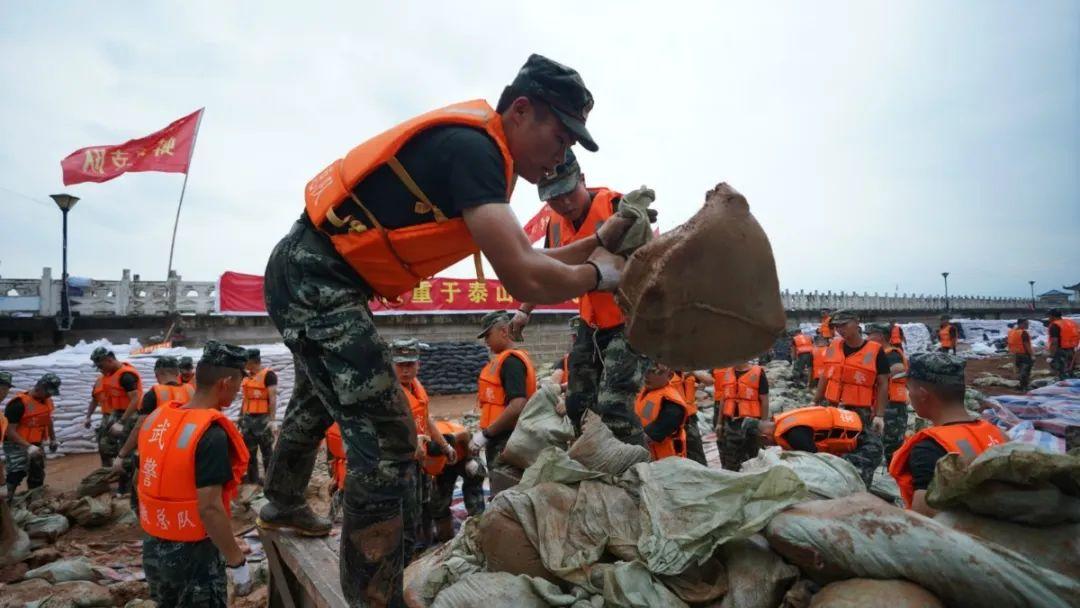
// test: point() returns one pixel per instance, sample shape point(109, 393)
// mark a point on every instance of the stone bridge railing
point(131, 297)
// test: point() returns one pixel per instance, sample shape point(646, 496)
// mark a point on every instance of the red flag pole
point(176, 223)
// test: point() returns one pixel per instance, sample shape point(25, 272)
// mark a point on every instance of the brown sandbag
point(98, 482)
point(706, 293)
point(870, 593)
point(1054, 547)
point(506, 547)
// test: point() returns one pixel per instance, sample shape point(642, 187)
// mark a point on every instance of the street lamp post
point(65, 202)
point(945, 276)
point(1032, 284)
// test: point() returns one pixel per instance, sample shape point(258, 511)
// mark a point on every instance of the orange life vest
point(1016, 341)
point(970, 439)
point(598, 308)
point(825, 329)
point(894, 336)
point(98, 394)
point(189, 382)
point(818, 367)
point(687, 383)
point(648, 408)
point(418, 403)
point(945, 336)
point(116, 398)
point(34, 424)
point(168, 499)
point(3, 428)
point(256, 393)
point(166, 393)
point(337, 454)
point(850, 381)
point(393, 261)
point(803, 344)
point(566, 369)
point(898, 386)
point(836, 430)
point(740, 393)
point(492, 395)
point(458, 438)
point(1070, 333)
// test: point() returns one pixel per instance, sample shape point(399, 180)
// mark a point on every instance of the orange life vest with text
point(598, 309)
point(168, 499)
point(1016, 341)
point(740, 393)
point(1070, 333)
point(33, 427)
point(393, 261)
point(492, 394)
point(116, 398)
point(850, 380)
point(836, 430)
point(969, 438)
point(648, 407)
point(256, 393)
point(418, 404)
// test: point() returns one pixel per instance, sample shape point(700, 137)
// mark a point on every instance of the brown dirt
point(444, 407)
point(1001, 366)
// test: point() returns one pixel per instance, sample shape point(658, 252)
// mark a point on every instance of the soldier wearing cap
point(946, 335)
point(1019, 343)
point(258, 410)
point(397, 209)
point(1062, 340)
point(896, 412)
point(191, 460)
point(167, 390)
point(30, 422)
point(936, 389)
point(505, 385)
point(610, 389)
point(187, 371)
point(119, 395)
point(856, 374)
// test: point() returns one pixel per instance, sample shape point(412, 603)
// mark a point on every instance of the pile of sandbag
point(451, 368)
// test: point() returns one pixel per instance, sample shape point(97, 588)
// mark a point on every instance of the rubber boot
point(286, 480)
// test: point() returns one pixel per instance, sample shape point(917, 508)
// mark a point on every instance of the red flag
point(168, 150)
point(536, 228)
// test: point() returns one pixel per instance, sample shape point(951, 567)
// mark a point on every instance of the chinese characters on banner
point(242, 294)
point(168, 151)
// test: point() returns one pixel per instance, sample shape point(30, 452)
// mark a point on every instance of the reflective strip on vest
point(491, 394)
point(968, 439)
point(256, 393)
point(851, 380)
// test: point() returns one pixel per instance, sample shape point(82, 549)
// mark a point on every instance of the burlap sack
point(867, 593)
point(506, 547)
point(704, 294)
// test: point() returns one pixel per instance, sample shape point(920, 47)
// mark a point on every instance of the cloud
point(878, 144)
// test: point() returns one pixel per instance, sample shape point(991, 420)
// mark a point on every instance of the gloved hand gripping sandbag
point(706, 293)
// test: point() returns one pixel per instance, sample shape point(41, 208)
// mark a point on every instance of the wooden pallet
point(303, 570)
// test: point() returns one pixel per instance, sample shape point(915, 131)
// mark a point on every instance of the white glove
point(240, 576)
point(608, 267)
point(472, 468)
point(116, 429)
point(451, 456)
point(878, 424)
point(34, 451)
point(477, 442)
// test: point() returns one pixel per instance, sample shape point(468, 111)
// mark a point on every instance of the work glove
point(608, 267)
point(86, 423)
point(629, 227)
point(472, 468)
point(33, 451)
point(53, 446)
point(878, 425)
point(117, 429)
point(517, 325)
point(240, 577)
point(421, 447)
point(451, 455)
point(477, 442)
point(118, 464)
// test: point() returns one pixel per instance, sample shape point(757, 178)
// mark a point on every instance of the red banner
point(168, 150)
point(242, 294)
point(536, 228)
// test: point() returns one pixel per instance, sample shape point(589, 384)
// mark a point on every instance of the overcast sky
point(878, 144)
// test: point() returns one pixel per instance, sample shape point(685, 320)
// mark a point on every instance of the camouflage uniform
point(185, 575)
point(1060, 362)
point(258, 436)
point(605, 376)
point(343, 374)
point(695, 450)
point(108, 444)
point(472, 490)
point(896, 419)
point(867, 459)
point(738, 442)
point(801, 368)
point(1024, 363)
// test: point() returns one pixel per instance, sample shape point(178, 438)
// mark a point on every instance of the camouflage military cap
point(843, 316)
point(50, 383)
point(166, 362)
point(405, 350)
point(937, 368)
point(224, 355)
point(492, 319)
point(5, 379)
point(253, 354)
point(100, 353)
point(187, 363)
point(878, 328)
point(562, 180)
